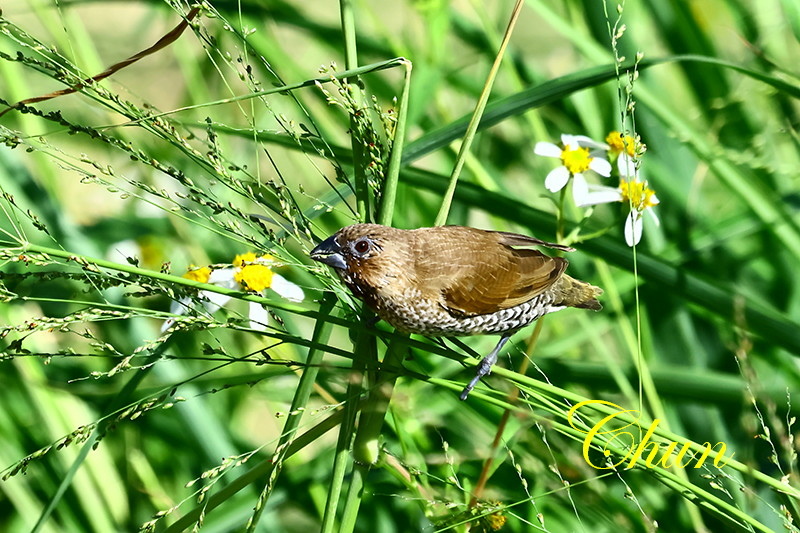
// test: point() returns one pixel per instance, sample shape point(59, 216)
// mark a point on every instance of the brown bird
point(454, 280)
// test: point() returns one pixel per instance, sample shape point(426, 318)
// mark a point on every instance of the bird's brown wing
point(515, 239)
point(477, 272)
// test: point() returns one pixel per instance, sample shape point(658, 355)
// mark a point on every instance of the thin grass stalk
point(365, 348)
point(366, 447)
point(322, 331)
point(348, 19)
point(540, 390)
point(343, 75)
point(513, 396)
point(119, 401)
point(614, 302)
point(474, 122)
point(389, 189)
point(536, 127)
point(353, 500)
point(646, 384)
point(647, 388)
point(257, 472)
point(342, 458)
point(366, 444)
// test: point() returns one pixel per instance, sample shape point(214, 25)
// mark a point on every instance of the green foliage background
point(110, 194)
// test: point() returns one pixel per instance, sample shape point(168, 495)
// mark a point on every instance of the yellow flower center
point(577, 161)
point(496, 521)
point(254, 277)
point(619, 143)
point(198, 274)
point(241, 259)
point(637, 194)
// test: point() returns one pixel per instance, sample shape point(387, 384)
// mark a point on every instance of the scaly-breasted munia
point(454, 280)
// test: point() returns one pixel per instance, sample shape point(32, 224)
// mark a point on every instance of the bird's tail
point(576, 293)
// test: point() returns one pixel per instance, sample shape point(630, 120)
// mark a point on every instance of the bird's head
point(363, 253)
point(350, 247)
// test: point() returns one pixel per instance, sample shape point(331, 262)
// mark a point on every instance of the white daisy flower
point(641, 199)
point(576, 159)
point(249, 273)
point(633, 192)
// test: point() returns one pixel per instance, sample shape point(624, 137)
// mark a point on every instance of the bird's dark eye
point(361, 246)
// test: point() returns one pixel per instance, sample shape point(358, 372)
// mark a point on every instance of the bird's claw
point(484, 367)
point(471, 385)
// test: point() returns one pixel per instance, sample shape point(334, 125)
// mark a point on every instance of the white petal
point(223, 277)
point(598, 194)
point(287, 289)
point(601, 166)
point(633, 228)
point(567, 139)
point(588, 142)
point(557, 179)
point(580, 189)
point(654, 217)
point(213, 300)
point(654, 200)
point(258, 317)
point(547, 149)
point(626, 167)
point(179, 307)
point(122, 250)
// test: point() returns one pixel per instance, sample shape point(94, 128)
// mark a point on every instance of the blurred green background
point(111, 421)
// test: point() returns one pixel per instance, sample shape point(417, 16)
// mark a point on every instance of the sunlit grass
point(109, 424)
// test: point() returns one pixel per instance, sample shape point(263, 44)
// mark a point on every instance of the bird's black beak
point(329, 252)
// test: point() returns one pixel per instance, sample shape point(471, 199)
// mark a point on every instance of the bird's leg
point(485, 366)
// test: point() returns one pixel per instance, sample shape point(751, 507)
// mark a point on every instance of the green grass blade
point(475, 119)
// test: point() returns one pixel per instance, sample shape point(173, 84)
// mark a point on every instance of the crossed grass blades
point(95, 319)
